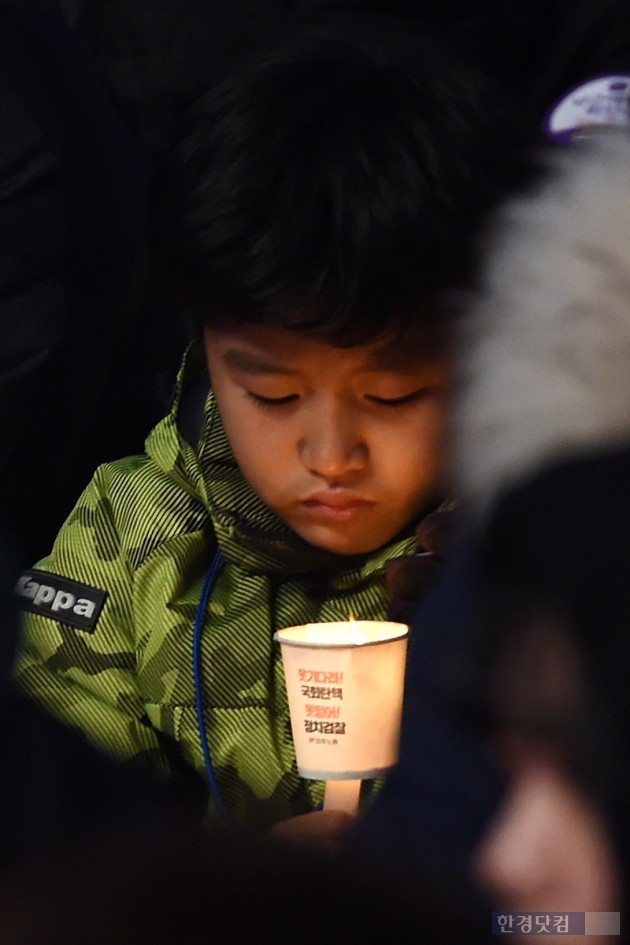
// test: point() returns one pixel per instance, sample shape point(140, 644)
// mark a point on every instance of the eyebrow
point(390, 357)
point(396, 357)
point(253, 363)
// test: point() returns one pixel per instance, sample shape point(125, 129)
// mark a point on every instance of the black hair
point(333, 186)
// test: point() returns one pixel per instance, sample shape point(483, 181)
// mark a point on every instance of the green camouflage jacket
point(107, 634)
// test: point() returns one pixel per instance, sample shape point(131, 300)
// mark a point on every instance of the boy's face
point(344, 444)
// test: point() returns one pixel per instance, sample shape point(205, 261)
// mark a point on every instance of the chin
point(342, 544)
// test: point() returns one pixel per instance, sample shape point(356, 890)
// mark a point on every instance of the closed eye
point(400, 401)
point(268, 403)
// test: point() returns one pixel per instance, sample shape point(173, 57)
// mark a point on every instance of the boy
point(315, 211)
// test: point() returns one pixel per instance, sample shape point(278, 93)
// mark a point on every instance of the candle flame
point(356, 633)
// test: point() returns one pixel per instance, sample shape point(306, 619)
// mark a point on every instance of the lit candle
point(345, 688)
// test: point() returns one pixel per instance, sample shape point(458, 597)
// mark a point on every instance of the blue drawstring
point(198, 678)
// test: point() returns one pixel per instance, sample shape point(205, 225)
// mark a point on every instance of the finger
point(325, 830)
point(434, 532)
point(407, 577)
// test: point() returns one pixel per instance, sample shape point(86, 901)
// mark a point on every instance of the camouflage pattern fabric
point(144, 531)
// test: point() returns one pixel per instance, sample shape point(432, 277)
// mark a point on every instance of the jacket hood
point(544, 353)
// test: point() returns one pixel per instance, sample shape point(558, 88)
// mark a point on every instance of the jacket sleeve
point(77, 652)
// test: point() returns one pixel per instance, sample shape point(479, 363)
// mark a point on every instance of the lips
point(335, 506)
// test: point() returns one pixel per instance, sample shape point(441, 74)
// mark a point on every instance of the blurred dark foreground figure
point(168, 887)
point(543, 373)
point(548, 684)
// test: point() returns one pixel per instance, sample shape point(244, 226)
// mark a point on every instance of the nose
point(333, 447)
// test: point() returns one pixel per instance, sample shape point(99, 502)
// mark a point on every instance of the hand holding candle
point(345, 685)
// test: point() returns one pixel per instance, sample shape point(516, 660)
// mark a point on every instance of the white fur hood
point(544, 355)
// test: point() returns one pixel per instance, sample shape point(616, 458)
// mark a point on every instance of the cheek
point(419, 448)
point(507, 863)
point(260, 448)
point(258, 457)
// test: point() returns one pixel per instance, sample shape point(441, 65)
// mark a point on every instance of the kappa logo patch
point(66, 601)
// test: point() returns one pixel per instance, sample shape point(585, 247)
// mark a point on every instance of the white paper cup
point(345, 685)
